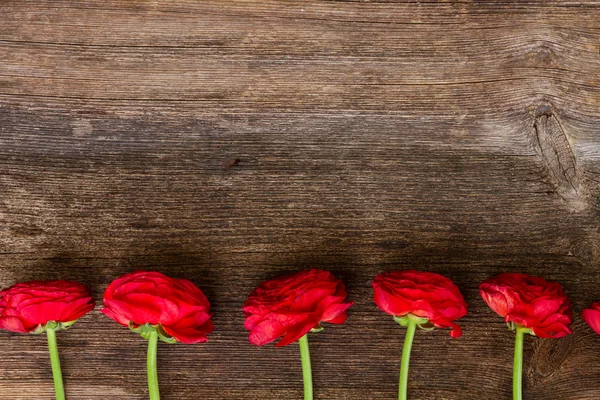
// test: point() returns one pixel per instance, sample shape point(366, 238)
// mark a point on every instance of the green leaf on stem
point(147, 329)
point(404, 320)
point(54, 325)
point(513, 327)
point(427, 326)
point(317, 328)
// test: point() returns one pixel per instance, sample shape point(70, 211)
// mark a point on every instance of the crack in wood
point(552, 145)
point(230, 163)
point(548, 357)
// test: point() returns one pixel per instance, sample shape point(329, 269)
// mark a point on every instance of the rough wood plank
point(229, 142)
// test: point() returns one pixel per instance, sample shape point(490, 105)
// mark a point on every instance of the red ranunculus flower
point(530, 302)
point(293, 305)
point(176, 306)
point(591, 315)
point(422, 294)
point(27, 307)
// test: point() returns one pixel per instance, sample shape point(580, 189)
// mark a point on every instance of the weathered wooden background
point(231, 141)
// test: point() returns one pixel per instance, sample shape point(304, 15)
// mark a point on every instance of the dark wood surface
point(229, 142)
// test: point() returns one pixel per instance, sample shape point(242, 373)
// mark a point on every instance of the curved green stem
point(306, 368)
point(151, 366)
point(408, 340)
point(518, 364)
point(55, 361)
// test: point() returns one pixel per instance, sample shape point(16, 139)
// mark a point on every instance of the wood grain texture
point(229, 142)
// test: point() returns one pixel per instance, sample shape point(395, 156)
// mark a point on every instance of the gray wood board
point(229, 142)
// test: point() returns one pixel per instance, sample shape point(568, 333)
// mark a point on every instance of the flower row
point(175, 310)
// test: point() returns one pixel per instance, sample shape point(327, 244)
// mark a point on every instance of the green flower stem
point(306, 368)
point(151, 366)
point(55, 361)
point(518, 364)
point(411, 327)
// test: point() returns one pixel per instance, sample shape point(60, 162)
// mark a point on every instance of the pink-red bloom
point(591, 315)
point(422, 294)
point(175, 306)
point(293, 305)
point(27, 307)
point(530, 302)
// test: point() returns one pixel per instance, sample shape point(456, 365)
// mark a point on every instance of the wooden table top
point(229, 142)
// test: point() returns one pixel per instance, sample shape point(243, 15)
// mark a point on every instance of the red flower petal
point(456, 332)
point(423, 294)
point(530, 302)
point(26, 305)
point(292, 305)
point(592, 317)
point(151, 297)
point(335, 310)
point(193, 330)
point(266, 332)
point(296, 333)
point(14, 324)
point(339, 319)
